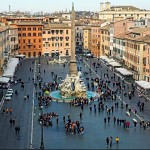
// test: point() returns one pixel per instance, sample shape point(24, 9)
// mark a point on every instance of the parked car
point(7, 97)
point(10, 91)
point(89, 55)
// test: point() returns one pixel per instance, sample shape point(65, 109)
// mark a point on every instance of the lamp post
point(122, 95)
point(42, 141)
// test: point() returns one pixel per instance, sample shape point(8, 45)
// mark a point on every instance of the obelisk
point(73, 65)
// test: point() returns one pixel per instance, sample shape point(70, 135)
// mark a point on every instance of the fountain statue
point(72, 86)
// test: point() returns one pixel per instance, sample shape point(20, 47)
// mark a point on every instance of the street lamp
point(42, 141)
point(90, 64)
point(122, 97)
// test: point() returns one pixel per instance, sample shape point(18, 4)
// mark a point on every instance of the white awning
point(115, 64)
point(143, 84)
point(20, 56)
point(124, 71)
point(4, 80)
point(11, 66)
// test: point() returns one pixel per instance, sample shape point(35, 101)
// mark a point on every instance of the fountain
point(72, 86)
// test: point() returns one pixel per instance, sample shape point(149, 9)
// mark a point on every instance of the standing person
point(64, 119)
point(80, 115)
point(13, 122)
point(107, 141)
point(10, 110)
point(117, 140)
point(111, 139)
point(7, 110)
point(18, 129)
point(10, 121)
point(57, 120)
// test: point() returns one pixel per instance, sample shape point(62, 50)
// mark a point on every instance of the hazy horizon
point(58, 5)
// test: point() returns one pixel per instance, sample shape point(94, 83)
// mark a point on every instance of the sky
point(59, 5)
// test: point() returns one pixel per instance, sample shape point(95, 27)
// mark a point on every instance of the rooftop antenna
point(9, 8)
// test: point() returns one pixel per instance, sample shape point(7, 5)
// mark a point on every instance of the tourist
point(111, 139)
point(117, 140)
point(107, 141)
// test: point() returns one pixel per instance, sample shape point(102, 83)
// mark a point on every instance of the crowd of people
point(44, 100)
point(74, 127)
point(45, 119)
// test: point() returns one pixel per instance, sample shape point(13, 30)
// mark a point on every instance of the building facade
point(4, 47)
point(87, 38)
point(13, 40)
point(79, 36)
point(112, 13)
point(56, 39)
point(105, 40)
point(96, 40)
point(131, 46)
point(30, 38)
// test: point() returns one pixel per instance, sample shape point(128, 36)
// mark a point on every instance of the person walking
point(7, 110)
point(10, 110)
point(80, 116)
point(57, 120)
point(10, 121)
point(117, 140)
point(111, 139)
point(107, 141)
point(18, 129)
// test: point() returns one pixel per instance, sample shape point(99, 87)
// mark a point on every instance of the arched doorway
point(29, 54)
point(24, 53)
point(34, 54)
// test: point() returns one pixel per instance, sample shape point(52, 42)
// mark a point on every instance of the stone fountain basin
point(55, 95)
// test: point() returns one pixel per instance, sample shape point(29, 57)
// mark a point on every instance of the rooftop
point(56, 25)
point(3, 28)
point(29, 23)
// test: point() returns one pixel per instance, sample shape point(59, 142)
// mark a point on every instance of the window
point(24, 47)
point(61, 31)
point(34, 28)
point(23, 34)
point(49, 32)
point(49, 39)
point(34, 34)
point(29, 34)
point(44, 39)
point(34, 40)
point(57, 31)
point(67, 38)
point(39, 40)
point(43, 45)
point(44, 32)
point(61, 38)
point(53, 44)
point(29, 41)
point(23, 29)
point(19, 34)
point(39, 34)
point(39, 29)
point(39, 46)
point(19, 29)
point(24, 41)
point(66, 31)
point(67, 44)
point(29, 29)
